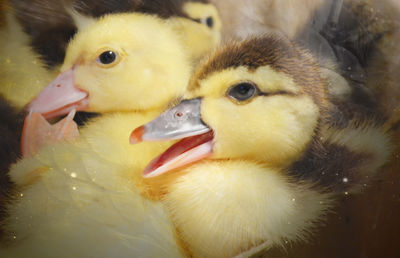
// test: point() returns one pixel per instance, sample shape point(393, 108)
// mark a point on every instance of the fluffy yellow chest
point(222, 209)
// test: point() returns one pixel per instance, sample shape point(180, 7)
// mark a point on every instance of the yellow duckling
point(32, 59)
point(109, 69)
point(108, 66)
point(204, 13)
point(278, 148)
point(94, 183)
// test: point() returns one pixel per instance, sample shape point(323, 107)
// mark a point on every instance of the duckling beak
point(182, 121)
point(59, 97)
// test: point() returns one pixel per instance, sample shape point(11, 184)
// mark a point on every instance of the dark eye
point(107, 57)
point(210, 22)
point(242, 91)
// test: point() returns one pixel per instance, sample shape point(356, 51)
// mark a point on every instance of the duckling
point(153, 65)
point(115, 56)
point(62, 93)
point(204, 13)
point(265, 149)
point(49, 36)
point(107, 66)
point(103, 206)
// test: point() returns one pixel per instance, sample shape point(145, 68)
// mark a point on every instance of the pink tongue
point(184, 152)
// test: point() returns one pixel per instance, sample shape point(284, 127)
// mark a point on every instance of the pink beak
point(60, 97)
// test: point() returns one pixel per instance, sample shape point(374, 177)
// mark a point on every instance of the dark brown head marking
point(279, 53)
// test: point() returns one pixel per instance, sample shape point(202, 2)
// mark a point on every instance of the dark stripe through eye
point(209, 21)
point(281, 92)
point(247, 90)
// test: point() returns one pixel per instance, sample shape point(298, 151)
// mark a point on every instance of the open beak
point(37, 132)
point(59, 97)
point(182, 121)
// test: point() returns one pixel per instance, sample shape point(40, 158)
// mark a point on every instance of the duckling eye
point(107, 57)
point(242, 91)
point(210, 22)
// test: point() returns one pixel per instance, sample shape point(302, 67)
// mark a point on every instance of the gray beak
point(181, 121)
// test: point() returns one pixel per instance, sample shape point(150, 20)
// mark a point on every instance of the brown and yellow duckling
point(278, 145)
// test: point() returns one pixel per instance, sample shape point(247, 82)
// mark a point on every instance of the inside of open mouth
point(182, 153)
point(79, 105)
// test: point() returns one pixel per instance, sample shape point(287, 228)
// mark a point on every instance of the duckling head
point(202, 35)
point(260, 100)
point(121, 62)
